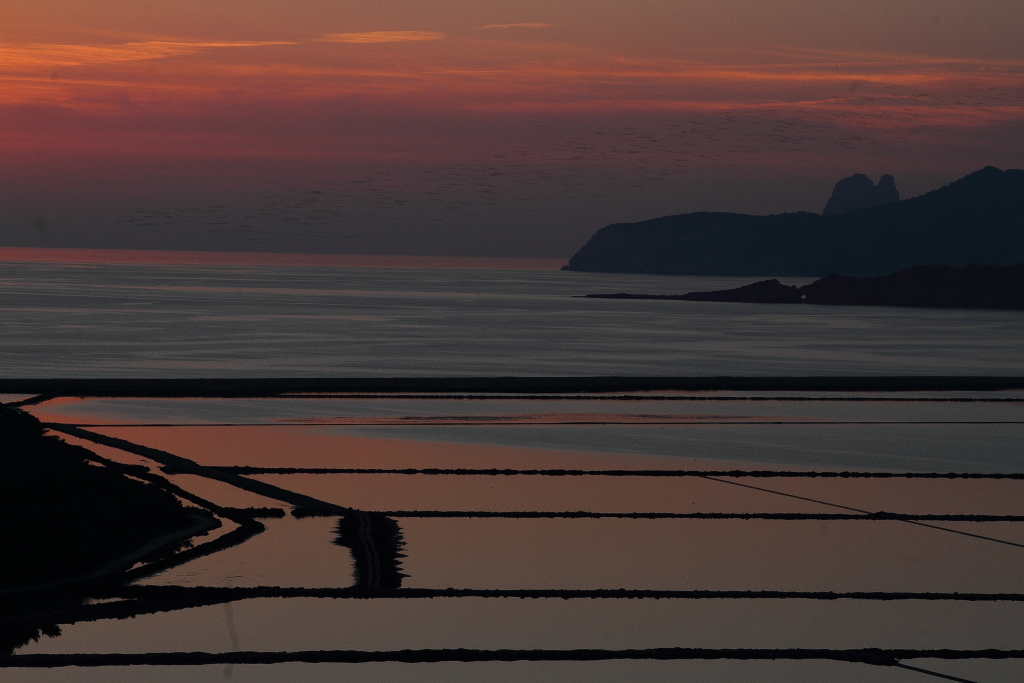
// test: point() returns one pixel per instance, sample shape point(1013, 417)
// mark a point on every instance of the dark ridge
point(65, 517)
point(272, 387)
point(562, 397)
point(933, 286)
point(991, 287)
point(178, 464)
point(554, 419)
point(69, 524)
point(34, 400)
point(245, 469)
point(241, 593)
point(243, 533)
point(248, 527)
point(858, 192)
point(876, 656)
point(142, 600)
point(766, 291)
point(788, 516)
point(299, 512)
point(258, 513)
point(977, 219)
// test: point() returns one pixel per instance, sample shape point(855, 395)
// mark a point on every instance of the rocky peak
point(858, 192)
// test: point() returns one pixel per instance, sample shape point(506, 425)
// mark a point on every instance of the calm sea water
point(313, 319)
point(151, 320)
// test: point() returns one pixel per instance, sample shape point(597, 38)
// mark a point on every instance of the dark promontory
point(977, 219)
point(924, 286)
point(68, 521)
point(858, 192)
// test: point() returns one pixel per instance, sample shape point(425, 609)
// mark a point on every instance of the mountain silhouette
point(978, 219)
point(858, 192)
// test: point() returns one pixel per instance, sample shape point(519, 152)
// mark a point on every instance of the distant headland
point(858, 192)
point(923, 286)
point(864, 231)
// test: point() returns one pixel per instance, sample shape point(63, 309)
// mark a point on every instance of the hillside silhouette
point(923, 286)
point(858, 192)
point(65, 517)
point(978, 219)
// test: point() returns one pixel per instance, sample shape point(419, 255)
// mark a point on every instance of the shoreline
point(124, 563)
point(168, 257)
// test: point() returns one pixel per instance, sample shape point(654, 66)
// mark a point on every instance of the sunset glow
point(664, 108)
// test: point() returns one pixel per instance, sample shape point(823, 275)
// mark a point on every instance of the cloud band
point(381, 37)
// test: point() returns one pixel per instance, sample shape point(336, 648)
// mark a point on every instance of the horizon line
point(258, 258)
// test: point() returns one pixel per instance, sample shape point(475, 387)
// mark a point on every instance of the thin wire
point(844, 507)
point(933, 673)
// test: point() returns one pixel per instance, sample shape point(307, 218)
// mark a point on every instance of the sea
point(592, 538)
point(93, 313)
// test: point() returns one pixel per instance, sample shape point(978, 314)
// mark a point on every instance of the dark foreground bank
point(921, 286)
point(64, 518)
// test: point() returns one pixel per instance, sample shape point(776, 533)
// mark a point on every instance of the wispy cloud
point(513, 76)
point(526, 25)
point(14, 55)
point(382, 37)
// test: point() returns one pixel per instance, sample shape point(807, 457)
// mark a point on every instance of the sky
point(485, 128)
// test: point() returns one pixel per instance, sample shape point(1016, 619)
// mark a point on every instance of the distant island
point(978, 219)
point(924, 286)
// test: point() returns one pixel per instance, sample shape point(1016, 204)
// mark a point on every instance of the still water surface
point(671, 554)
point(152, 320)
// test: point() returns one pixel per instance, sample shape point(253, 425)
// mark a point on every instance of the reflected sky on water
point(125, 320)
point(670, 554)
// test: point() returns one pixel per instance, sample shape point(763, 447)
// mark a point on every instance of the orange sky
point(467, 128)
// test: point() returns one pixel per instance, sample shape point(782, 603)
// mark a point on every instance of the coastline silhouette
point(922, 286)
point(978, 219)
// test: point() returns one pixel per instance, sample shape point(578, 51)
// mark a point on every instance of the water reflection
point(301, 624)
point(705, 555)
point(706, 406)
point(924, 448)
point(368, 553)
point(291, 552)
point(223, 321)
